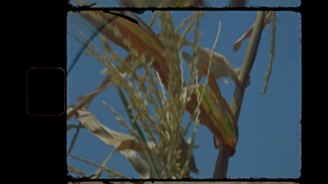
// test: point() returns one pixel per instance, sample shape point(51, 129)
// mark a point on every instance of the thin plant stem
point(100, 166)
point(221, 165)
point(138, 129)
point(74, 138)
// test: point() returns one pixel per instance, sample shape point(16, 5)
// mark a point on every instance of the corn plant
point(160, 138)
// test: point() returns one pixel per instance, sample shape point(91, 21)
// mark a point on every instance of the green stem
point(136, 127)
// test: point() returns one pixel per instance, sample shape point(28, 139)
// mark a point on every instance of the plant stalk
point(221, 165)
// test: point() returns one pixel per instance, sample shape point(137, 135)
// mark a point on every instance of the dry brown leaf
point(220, 67)
point(76, 171)
point(267, 20)
point(125, 143)
point(142, 39)
point(86, 99)
point(74, 126)
point(113, 138)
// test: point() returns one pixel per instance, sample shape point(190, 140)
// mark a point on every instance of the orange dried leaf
point(141, 39)
point(220, 121)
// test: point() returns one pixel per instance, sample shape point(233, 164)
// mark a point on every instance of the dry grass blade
point(273, 37)
point(86, 99)
point(221, 67)
point(98, 173)
point(103, 168)
point(76, 171)
point(125, 143)
point(118, 117)
point(74, 126)
point(122, 142)
point(136, 162)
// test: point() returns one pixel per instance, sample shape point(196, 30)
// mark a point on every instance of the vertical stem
point(247, 64)
point(75, 136)
point(221, 165)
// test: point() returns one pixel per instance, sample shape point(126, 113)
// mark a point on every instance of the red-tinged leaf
point(230, 121)
point(220, 122)
point(141, 39)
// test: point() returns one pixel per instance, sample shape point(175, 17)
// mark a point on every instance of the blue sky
point(269, 142)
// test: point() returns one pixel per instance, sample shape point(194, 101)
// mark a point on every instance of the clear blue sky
point(269, 142)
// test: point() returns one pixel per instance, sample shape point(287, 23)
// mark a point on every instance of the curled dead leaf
point(125, 143)
point(220, 67)
point(113, 138)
